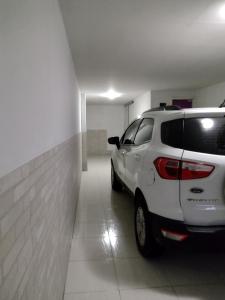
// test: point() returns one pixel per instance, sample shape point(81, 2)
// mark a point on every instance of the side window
point(144, 133)
point(129, 135)
point(172, 133)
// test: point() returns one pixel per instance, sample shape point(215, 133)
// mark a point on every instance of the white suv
point(173, 161)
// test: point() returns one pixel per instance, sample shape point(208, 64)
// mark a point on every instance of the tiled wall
point(97, 142)
point(37, 211)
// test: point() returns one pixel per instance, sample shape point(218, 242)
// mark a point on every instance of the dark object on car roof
point(164, 107)
point(222, 104)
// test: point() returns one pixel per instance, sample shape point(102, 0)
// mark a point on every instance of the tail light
point(191, 170)
point(173, 169)
point(176, 236)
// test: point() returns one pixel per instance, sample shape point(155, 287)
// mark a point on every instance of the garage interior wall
point(84, 131)
point(101, 117)
point(103, 121)
point(40, 162)
point(141, 104)
point(167, 96)
point(211, 96)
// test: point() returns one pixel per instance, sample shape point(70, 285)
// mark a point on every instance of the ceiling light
point(111, 94)
point(222, 12)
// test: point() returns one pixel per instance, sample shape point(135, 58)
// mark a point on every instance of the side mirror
point(115, 140)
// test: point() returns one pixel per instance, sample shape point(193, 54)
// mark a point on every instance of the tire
point(148, 236)
point(116, 184)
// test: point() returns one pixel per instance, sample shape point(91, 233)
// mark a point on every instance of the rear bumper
point(205, 229)
point(189, 230)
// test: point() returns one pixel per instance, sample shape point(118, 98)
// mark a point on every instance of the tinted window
point(172, 133)
point(144, 133)
point(129, 135)
point(206, 135)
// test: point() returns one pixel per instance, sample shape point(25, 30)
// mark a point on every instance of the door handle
point(137, 156)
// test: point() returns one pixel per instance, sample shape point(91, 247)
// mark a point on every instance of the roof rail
point(164, 107)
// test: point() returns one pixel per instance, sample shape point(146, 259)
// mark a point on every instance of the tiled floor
point(105, 264)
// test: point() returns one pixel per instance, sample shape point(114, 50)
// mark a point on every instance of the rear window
point(205, 135)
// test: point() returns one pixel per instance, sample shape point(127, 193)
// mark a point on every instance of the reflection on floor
point(105, 264)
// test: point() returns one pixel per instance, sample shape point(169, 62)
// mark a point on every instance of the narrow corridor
point(105, 264)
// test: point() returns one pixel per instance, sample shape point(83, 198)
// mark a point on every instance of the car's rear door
point(203, 166)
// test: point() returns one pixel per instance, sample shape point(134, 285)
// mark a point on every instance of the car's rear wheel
point(148, 238)
point(116, 184)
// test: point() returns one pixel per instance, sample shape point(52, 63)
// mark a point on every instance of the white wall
point(168, 95)
point(39, 97)
point(211, 96)
point(141, 104)
point(84, 131)
point(108, 117)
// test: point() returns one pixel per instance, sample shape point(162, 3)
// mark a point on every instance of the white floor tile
point(118, 200)
point(191, 269)
point(90, 248)
point(120, 228)
point(119, 215)
point(90, 276)
point(124, 247)
point(83, 229)
point(138, 273)
point(114, 295)
point(91, 215)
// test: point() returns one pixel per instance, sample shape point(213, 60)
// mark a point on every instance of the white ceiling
point(138, 45)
